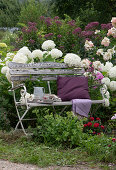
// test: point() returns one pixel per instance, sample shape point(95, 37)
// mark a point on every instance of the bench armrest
point(17, 87)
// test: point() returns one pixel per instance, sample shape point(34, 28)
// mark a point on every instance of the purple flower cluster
point(59, 36)
point(91, 25)
point(71, 23)
point(31, 41)
point(76, 31)
point(48, 35)
point(58, 22)
point(106, 26)
point(87, 33)
point(31, 28)
point(99, 76)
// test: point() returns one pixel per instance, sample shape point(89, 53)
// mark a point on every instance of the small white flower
point(8, 75)
point(112, 86)
point(10, 55)
point(97, 31)
point(25, 52)
point(20, 58)
point(37, 53)
point(72, 60)
point(48, 44)
point(55, 53)
point(105, 41)
point(106, 81)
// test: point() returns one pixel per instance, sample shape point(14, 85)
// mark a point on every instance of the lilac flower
point(59, 36)
point(48, 35)
point(56, 18)
point(48, 22)
point(31, 41)
point(76, 31)
point(32, 24)
point(24, 29)
point(87, 33)
point(42, 18)
point(106, 26)
point(99, 76)
point(58, 22)
point(91, 25)
point(71, 23)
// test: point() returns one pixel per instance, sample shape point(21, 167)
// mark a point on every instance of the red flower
point(98, 133)
point(85, 125)
point(91, 118)
point(89, 124)
point(97, 118)
point(109, 145)
point(114, 139)
point(102, 126)
point(94, 132)
point(96, 124)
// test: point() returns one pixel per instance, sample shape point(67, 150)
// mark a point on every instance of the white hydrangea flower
point(55, 53)
point(20, 58)
point(106, 81)
point(85, 63)
point(113, 117)
point(72, 60)
point(112, 51)
point(48, 44)
point(100, 52)
point(112, 72)
point(37, 53)
point(97, 65)
point(88, 45)
point(112, 86)
point(4, 69)
point(25, 51)
point(107, 56)
point(107, 66)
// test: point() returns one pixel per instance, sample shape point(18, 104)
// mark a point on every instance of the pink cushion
point(69, 88)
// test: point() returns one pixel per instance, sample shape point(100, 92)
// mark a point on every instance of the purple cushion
point(69, 88)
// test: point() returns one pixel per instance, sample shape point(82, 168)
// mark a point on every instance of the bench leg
point(20, 119)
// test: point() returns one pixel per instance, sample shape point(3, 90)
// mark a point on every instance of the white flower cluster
point(48, 45)
point(106, 95)
point(105, 41)
point(106, 55)
point(55, 53)
point(85, 63)
point(72, 60)
point(88, 45)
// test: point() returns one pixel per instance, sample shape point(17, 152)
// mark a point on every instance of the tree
point(9, 12)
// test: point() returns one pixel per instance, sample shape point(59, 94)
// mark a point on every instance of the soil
point(6, 165)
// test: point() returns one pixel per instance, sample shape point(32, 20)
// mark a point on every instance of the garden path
point(6, 165)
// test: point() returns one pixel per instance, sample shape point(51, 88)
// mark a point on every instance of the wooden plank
point(14, 65)
point(44, 78)
point(45, 71)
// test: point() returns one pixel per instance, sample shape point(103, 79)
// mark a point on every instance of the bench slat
point(13, 65)
point(46, 71)
point(44, 78)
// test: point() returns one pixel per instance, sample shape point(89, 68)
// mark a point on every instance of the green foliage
point(58, 130)
point(31, 11)
point(9, 13)
point(4, 121)
point(101, 147)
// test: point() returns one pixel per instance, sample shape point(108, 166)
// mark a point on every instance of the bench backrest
point(44, 70)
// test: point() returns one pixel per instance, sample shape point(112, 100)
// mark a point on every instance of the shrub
point(58, 130)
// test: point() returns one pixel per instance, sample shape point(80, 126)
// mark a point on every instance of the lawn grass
point(23, 150)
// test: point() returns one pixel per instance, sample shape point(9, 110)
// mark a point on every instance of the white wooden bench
point(45, 71)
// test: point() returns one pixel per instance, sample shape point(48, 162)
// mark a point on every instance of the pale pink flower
point(105, 42)
point(113, 21)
